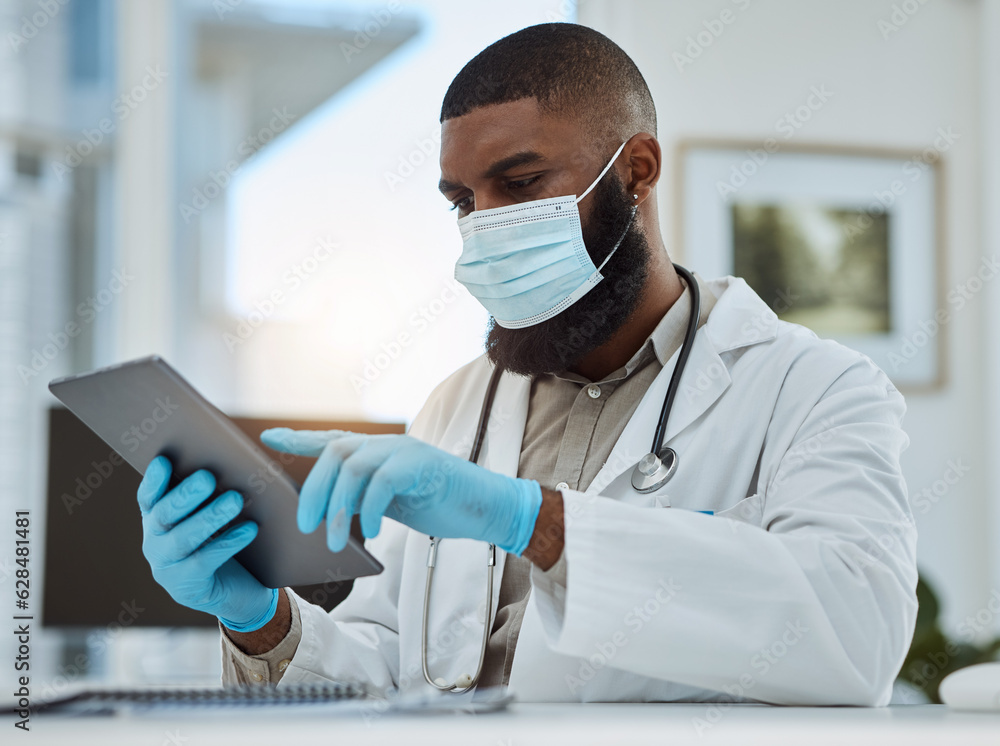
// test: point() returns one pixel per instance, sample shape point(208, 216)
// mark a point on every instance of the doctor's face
point(504, 154)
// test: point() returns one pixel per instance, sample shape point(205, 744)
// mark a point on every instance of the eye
point(522, 183)
point(466, 202)
point(461, 204)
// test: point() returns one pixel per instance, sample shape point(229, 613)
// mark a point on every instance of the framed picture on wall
point(844, 240)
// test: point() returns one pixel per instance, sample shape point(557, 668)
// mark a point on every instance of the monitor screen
point(95, 573)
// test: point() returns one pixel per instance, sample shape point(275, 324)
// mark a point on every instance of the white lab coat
point(799, 590)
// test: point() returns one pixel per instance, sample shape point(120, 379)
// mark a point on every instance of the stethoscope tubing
point(682, 358)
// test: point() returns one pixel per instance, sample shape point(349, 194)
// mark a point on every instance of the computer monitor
point(95, 573)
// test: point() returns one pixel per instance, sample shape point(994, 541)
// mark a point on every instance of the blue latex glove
point(196, 574)
point(407, 480)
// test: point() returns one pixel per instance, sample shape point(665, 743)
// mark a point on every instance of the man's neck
point(662, 289)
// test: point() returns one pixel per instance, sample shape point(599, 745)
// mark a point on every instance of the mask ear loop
point(630, 219)
point(606, 169)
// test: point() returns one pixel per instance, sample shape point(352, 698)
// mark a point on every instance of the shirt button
point(284, 664)
point(594, 390)
point(256, 676)
point(562, 486)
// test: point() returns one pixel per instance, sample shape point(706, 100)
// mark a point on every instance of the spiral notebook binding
point(316, 693)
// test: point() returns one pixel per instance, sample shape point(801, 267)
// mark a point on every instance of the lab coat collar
point(740, 318)
point(669, 332)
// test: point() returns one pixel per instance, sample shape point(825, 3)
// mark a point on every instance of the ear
point(643, 158)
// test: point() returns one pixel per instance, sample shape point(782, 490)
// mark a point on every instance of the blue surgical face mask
point(527, 262)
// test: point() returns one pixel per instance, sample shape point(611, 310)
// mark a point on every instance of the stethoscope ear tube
point(484, 414)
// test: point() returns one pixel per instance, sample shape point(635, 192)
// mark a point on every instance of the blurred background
point(248, 188)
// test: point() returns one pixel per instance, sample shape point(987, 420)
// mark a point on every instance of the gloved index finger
point(301, 442)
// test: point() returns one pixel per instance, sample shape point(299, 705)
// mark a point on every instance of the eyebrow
point(522, 158)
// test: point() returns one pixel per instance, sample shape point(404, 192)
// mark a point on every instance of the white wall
point(893, 92)
point(989, 201)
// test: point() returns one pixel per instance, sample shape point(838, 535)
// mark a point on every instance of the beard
point(558, 343)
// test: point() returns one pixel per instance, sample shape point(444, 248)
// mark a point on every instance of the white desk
point(522, 724)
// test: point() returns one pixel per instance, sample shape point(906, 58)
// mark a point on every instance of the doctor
point(799, 589)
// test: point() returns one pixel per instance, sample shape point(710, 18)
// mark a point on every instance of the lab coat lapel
point(739, 318)
point(505, 427)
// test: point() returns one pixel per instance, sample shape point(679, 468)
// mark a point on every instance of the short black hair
point(568, 68)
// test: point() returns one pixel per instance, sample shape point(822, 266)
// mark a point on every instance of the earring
point(635, 196)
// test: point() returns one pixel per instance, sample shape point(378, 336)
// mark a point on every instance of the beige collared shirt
point(572, 425)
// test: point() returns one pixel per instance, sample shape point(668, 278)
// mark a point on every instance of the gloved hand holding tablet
point(167, 431)
point(196, 568)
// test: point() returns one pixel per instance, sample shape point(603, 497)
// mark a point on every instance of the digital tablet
point(142, 408)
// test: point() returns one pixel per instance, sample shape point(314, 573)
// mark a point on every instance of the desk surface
point(547, 724)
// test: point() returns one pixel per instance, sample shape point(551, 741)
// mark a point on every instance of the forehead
point(489, 133)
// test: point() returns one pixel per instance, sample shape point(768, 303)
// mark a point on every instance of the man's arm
point(244, 666)
point(547, 541)
point(268, 636)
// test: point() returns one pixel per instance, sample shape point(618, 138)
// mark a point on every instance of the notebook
point(346, 697)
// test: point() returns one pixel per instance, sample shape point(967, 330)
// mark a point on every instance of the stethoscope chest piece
point(652, 471)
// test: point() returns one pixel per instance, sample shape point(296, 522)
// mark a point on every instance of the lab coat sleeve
point(811, 603)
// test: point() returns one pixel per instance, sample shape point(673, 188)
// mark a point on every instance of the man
point(798, 590)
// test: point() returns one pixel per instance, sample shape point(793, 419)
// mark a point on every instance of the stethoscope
point(652, 472)
point(656, 467)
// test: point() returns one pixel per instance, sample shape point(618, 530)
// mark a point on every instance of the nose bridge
point(485, 201)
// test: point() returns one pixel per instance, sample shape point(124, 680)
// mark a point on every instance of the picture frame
point(846, 240)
